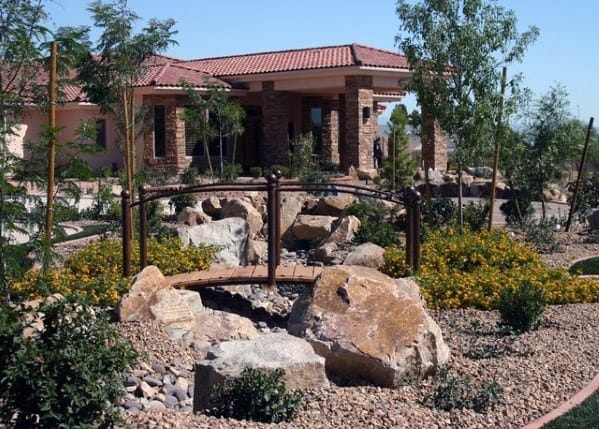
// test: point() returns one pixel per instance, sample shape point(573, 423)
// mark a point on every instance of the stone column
point(359, 131)
point(275, 118)
point(434, 144)
point(330, 130)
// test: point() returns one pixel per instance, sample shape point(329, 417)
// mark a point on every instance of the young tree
point(228, 115)
point(21, 34)
point(197, 119)
point(398, 167)
point(110, 74)
point(456, 49)
point(553, 139)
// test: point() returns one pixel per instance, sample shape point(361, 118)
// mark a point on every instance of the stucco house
point(334, 92)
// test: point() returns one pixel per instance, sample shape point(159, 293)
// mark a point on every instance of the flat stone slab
point(303, 367)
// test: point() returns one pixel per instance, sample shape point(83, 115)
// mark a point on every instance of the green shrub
point(256, 395)
point(300, 155)
point(190, 176)
point(541, 234)
point(282, 168)
point(183, 200)
point(443, 211)
point(521, 307)
point(230, 171)
point(457, 393)
point(256, 171)
point(517, 210)
point(67, 375)
point(376, 225)
point(476, 215)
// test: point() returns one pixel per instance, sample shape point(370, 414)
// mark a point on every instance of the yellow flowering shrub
point(469, 270)
point(94, 274)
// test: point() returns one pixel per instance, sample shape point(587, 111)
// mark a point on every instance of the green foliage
point(541, 234)
point(584, 416)
point(458, 393)
point(282, 168)
point(587, 266)
point(399, 168)
point(256, 171)
point(376, 225)
point(476, 215)
point(471, 269)
point(443, 211)
point(230, 172)
point(522, 307)
point(517, 209)
point(256, 395)
point(183, 200)
point(588, 197)
point(190, 176)
point(68, 374)
point(300, 156)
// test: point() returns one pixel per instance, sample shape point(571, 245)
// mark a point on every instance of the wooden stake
point(580, 173)
point(497, 144)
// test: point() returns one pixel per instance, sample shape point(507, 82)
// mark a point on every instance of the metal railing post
point(143, 229)
point(126, 217)
point(278, 175)
point(413, 201)
point(271, 207)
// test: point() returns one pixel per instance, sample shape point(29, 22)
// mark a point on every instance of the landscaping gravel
point(537, 370)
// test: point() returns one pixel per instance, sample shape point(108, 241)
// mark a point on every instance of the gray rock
point(366, 255)
point(303, 368)
point(171, 401)
point(230, 234)
point(159, 368)
point(152, 381)
point(155, 406)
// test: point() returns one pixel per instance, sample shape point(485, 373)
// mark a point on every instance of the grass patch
point(588, 266)
point(88, 231)
point(584, 416)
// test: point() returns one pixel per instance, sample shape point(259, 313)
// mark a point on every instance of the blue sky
point(566, 52)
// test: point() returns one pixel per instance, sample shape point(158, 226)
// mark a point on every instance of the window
point(101, 133)
point(194, 145)
point(316, 118)
point(159, 131)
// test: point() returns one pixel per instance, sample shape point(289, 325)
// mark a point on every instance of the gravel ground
point(538, 370)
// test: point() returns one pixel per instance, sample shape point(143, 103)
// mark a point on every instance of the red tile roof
point(300, 59)
point(169, 74)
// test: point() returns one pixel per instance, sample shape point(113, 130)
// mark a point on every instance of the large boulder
point(309, 227)
point(334, 205)
point(291, 206)
point(366, 255)
point(345, 232)
point(211, 206)
point(368, 327)
point(257, 252)
point(142, 295)
point(230, 235)
point(303, 368)
point(214, 326)
point(235, 207)
point(192, 217)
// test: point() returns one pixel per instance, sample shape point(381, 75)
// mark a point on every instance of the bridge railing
point(273, 188)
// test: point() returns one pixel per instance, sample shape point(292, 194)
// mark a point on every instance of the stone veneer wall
point(434, 145)
point(359, 133)
point(330, 130)
point(275, 119)
point(175, 134)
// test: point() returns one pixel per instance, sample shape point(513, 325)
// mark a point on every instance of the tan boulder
point(192, 217)
point(212, 207)
point(142, 295)
point(345, 231)
point(366, 255)
point(216, 326)
point(257, 252)
point(366, 326)
point(291, 206)
point(334, 205)
point(309, 227)
point(235, 207)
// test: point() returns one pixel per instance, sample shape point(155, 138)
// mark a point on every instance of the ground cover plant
point(256, 394)
point(94, 274)
point(584, 416)
point(472, 269)
point(588, 266)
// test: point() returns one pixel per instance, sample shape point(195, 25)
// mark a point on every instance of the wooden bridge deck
point(244, 275)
